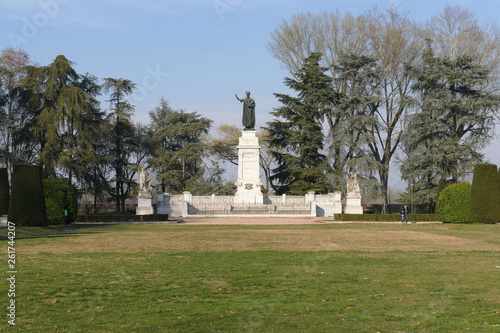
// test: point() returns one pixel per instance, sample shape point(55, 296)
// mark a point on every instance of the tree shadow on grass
point(67, 230)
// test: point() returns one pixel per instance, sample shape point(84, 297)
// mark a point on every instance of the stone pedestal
point(145, 206)
point(3, 220)
point(163, 205)
point(353, 205)
point(248, 183)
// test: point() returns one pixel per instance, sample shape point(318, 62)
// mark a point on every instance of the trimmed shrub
point(59, 195)
point(27, 201)
point(453, 203)
point(485, 194)
point(385, 217)
point(122, 218)
point(4, 191)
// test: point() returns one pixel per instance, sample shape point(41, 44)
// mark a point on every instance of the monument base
point(145, 206)
point(248, 183)
point(353, 206)
point(248, 194)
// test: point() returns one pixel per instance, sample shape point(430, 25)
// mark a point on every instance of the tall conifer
point(296, 135)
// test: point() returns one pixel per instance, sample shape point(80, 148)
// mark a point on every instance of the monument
point(144, 199)
point(248, 118)
point(353, 197)
point(248, 184)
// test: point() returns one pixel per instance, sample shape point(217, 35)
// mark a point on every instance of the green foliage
point(445, 138)
point(386, 217)
point(121, 218)
point(485, 194)
point(66, 115)
point(27, 201)
point(4, 191)
point(59, 195)
point(289, 278)
point(296, 138)
point(179, 136)
point(121, 131)
point(453, 203)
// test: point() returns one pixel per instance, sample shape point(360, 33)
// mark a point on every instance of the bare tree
point(396, 41)
point(457, 32)
point(13, 112)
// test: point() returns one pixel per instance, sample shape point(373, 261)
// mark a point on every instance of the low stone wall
point(310, 204)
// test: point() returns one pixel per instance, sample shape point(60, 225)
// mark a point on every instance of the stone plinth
point(248, 183)
point(163, 206)
point(3, 219)
point(144, 205)
point(353, 205)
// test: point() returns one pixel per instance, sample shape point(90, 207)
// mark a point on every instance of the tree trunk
point(384, 181)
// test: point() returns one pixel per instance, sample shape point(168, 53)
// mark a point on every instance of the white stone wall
point(308, 205)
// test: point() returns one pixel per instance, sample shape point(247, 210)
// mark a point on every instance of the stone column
point(248, 183)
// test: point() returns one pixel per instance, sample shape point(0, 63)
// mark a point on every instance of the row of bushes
point(385, 217)
point(121, 218)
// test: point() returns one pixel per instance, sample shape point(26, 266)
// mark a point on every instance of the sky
point(194, 53)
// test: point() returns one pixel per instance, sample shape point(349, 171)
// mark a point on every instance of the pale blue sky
point(194, 53)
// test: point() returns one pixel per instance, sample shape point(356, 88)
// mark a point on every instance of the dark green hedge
point(453, 203)
point(59, 195)
point(4, 191)
point(27, 201)
point(122, 218)
point(485, 194)
point(385, 217)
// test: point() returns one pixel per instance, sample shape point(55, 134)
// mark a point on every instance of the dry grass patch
point(178, 238)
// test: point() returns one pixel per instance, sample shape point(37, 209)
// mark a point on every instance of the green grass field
point(295, 278)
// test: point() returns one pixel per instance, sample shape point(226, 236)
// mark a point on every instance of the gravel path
point(251, 220)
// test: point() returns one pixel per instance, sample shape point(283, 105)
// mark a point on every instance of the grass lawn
point(282, 278)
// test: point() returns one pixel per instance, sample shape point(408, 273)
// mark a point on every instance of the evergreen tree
point(121, 130)
point(296, 136)
point(181, 147)
point(65, 114)
point(457, 113)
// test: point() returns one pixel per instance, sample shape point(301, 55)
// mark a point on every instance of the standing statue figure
point(144, 182)
point(248, 111)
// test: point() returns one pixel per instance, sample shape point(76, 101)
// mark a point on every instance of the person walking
point(404, 214)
